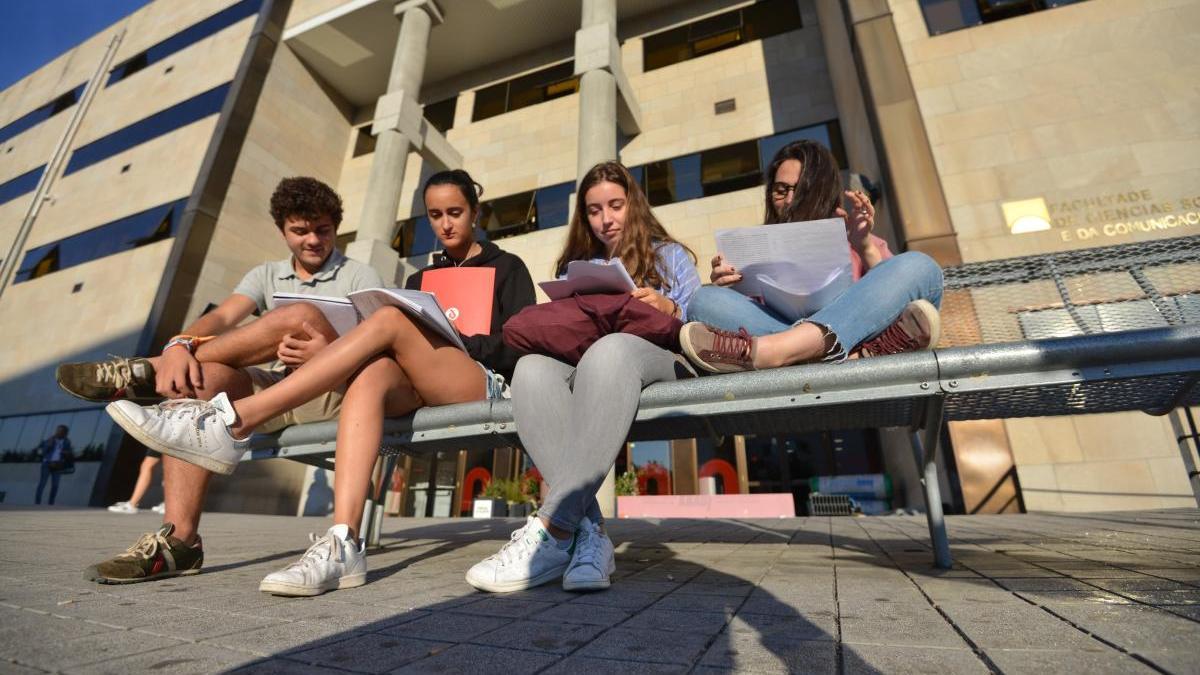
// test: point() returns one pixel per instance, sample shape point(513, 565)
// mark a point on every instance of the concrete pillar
point(377, 225)
point(597, 96)
point(597, 120)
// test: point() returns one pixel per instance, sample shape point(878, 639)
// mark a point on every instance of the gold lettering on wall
point(1117, 214)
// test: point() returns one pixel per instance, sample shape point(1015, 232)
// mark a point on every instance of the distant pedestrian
point(57, 458)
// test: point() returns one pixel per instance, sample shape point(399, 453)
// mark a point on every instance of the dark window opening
point(414, 236)
point(15, 187)
point(440, 115)
point(140, 229)
point(183, 39)
point(715, 33)
point(944, 16)
point(729, 168)
point(364, 142)
point(163, 122)
point(508, 216)
point(521, 92)
point(553, 205)
point(41, 114)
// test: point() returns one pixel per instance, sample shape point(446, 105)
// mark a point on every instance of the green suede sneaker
point(103, 381)
point(156, 555)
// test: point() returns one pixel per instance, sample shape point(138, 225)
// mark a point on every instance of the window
point(364, 142)
point(553, 205)
point(508, 216)
point(139, 229)
point(41, 114)
point(544, 85)
point(754, 22)
point(414, 237)
point(944, 16)
point(18, 186)
point(441, 114)
point(183, 39)
point(163, 122)
point(727, 168)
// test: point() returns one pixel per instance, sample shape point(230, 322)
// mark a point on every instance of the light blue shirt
point(676, 267)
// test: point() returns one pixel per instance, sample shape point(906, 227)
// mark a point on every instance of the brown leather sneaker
point(716, 350)
point(918, 327)
point(110, 380)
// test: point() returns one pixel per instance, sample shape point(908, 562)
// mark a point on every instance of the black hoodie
point(513, 292)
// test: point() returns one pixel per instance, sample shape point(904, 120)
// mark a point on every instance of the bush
point(627, 485)
point(511, 491)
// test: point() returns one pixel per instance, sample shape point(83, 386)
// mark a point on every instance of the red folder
point(465, 294)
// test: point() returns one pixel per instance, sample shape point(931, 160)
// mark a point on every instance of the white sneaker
point(332, 562)
point(530, 558)
point(160, 508)
point(194, 431)
point(593, 562)
point(123, 507)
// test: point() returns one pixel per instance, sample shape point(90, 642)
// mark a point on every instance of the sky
point(35, 32)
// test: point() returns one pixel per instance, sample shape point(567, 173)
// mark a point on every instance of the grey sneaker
point(103, 381)
point(194, 431)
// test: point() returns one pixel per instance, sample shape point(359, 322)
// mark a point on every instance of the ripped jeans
point(860, 313)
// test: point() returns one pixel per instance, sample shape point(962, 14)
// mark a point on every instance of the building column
point(397, 130)
point(605, 97)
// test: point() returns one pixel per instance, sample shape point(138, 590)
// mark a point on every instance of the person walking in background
point(57, 458)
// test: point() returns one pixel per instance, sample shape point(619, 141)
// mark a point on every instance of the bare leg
point(379, 390)
point(185, 484)
point(145, 473)
point(438, 371)
point(798, 344)
point(257, 341)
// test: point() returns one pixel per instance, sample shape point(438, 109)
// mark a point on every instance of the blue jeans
point(53, 477)
point(863, 311)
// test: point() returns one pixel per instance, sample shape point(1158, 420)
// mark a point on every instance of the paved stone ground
point(1115, 592)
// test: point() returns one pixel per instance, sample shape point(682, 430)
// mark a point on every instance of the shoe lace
point(893, 340)
point(322, 548)
point(587, 547)
point(731, 346)
point(186, 407)
point(116, 370)
point(146, 546)
point(519, 546)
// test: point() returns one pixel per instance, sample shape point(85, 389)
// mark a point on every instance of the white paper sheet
point(340, 312)
point(418, 304)
point(794, 268)
point(585, 277)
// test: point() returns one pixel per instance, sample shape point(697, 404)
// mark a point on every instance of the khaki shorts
point(324, 407)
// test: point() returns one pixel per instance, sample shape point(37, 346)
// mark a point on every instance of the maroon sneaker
point(918, 327)
point(716, 350)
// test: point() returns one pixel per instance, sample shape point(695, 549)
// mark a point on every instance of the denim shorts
point(497, 388)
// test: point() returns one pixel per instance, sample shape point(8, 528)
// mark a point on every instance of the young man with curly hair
point(215, 354)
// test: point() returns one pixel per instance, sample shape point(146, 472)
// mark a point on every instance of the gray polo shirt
point(338, 277)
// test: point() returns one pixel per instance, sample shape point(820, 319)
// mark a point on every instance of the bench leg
point(372, 520)
point(925, 450)
point(1186, 437)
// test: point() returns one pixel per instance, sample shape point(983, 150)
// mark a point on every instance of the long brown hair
point(819, 191)
point(641, 235)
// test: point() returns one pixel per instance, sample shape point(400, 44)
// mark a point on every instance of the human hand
point(295, 350)
point(860, 220)
point(723, 274)
point(178, 374)
point(654, 299)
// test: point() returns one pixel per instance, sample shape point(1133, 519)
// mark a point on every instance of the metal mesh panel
point(1139, 393)
point(1099, 290)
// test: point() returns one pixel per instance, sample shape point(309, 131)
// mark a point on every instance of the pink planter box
point(775, 505)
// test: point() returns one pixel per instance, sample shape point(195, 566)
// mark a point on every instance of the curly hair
point(307, 198)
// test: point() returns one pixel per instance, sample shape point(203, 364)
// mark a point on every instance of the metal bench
point(1100, 330)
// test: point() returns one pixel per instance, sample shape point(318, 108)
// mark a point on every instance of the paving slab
point(1096, 593)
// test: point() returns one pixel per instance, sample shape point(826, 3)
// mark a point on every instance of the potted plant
point(491, 502)
point(519, 505)
point(626, 486)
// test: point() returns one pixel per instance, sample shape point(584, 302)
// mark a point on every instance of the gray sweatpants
point(573, 421)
